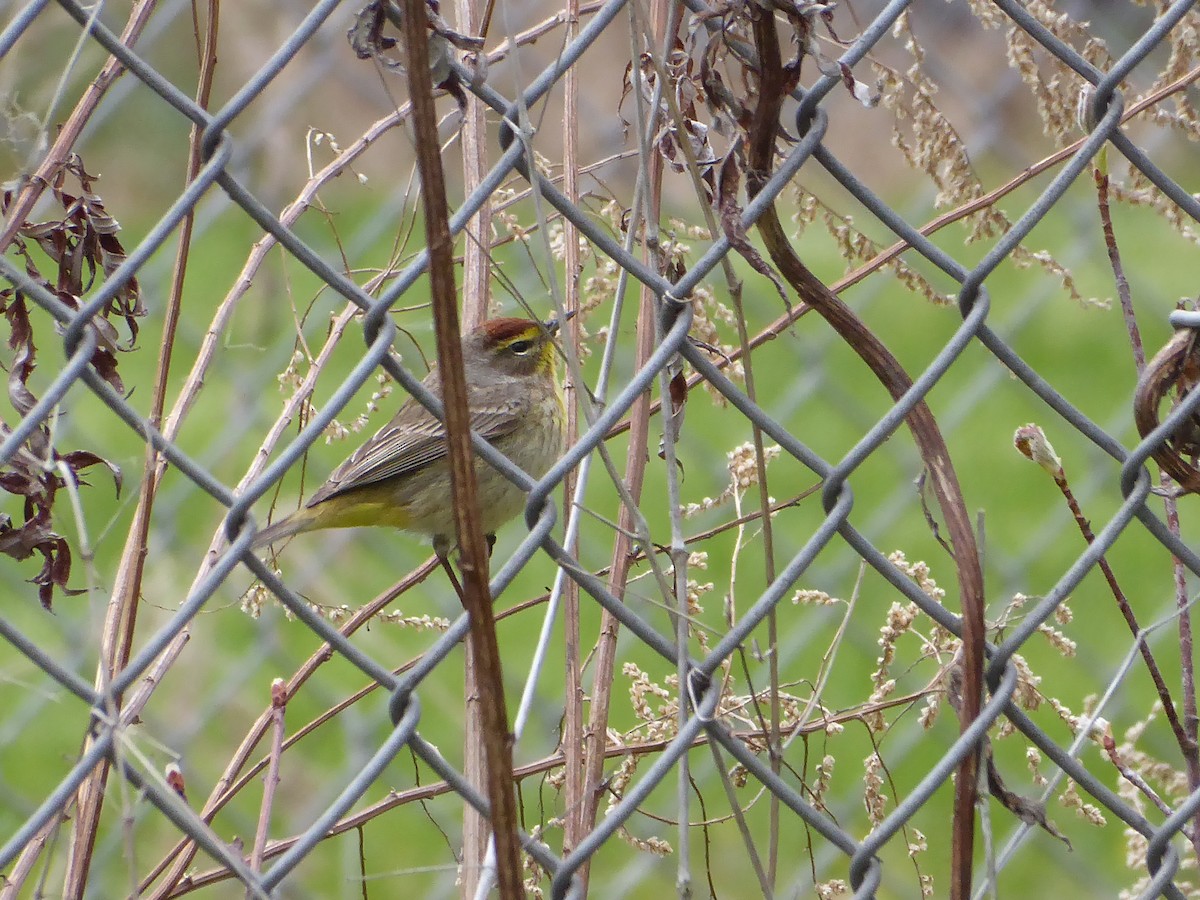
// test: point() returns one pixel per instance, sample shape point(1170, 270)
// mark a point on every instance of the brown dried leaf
point(22, 367)
point(85, 241)
point(730, 215)
point(105, 364)
point(80, 246)
point(19, 483)
point(368, 41)
point(78, 460)
point(677, 389)
point(13, 306)
point(1031, 812)
point(20, 339)
point(173, 775)
point(366, 36)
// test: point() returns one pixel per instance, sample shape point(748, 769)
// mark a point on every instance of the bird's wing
point(413, 440)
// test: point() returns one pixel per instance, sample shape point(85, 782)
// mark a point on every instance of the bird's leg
point(491, 542)
point(441, 546)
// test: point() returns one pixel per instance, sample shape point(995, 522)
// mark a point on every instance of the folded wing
point(412, 441)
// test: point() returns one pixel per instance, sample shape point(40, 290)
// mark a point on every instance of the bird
point(401, 476)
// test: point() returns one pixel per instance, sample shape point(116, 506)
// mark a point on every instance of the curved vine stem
point(775, 81)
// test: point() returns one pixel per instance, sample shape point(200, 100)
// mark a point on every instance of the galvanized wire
point(1104, 110)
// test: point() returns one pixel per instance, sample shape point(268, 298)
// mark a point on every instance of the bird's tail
point(301, 520)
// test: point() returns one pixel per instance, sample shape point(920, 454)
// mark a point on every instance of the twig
point(477, 261)
point(667, 22)
point(734, 286)
point(521, 773)
point(121, 616)
point(279, 698)
point(1186, 732)
point(635, 470)
point(1114, 756)
point(473, 549)
point(773, 83)
point(1031, 441)
point(572, 744)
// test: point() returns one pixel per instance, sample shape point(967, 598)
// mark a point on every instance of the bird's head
point(514, 346)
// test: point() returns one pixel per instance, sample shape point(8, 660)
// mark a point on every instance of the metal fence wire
point(738, 778)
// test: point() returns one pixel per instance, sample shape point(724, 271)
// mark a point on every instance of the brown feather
point(507, 328)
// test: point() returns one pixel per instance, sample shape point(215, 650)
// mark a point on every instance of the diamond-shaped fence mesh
point(791, 616)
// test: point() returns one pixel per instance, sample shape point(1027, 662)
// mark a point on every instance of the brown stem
point(773, 84)
point(604, 659)
point(279, 699)
point(1114, 756)
point(476, 299)
point(1186, 733)
point(1100, 177)
point(1191, 719)
point(121, 614)
point(575, 779)
point(477, 255)
point(622, 559)
point(1160, 684)
point(228, 785)
point(473, 548)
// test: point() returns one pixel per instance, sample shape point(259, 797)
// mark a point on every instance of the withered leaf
point(678, 387)
point(19, 483)
point(79, 460)
point(677, 391)
point(21, 543)
point(55, 571)
point(730, 215)
point(366, 35)
point(1031, 812)
point(20, 369)
point(82, 247)
point(368, 41)
point(20, 331)
point(105, 364)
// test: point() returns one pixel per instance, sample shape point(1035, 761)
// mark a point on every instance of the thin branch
point(121, 615)
point(521, 773)
point(279, 698)
point(473, 548)
point(573, 735)
point(476, 293)
point(1186, 733)
point(773, 85)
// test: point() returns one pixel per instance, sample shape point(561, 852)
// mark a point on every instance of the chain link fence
point(727, 774)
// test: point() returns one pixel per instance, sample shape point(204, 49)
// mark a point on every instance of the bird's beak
point(552, 325)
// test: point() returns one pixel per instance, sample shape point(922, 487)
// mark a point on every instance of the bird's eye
point(520, 348)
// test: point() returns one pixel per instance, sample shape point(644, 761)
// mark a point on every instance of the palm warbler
point(401, 476)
